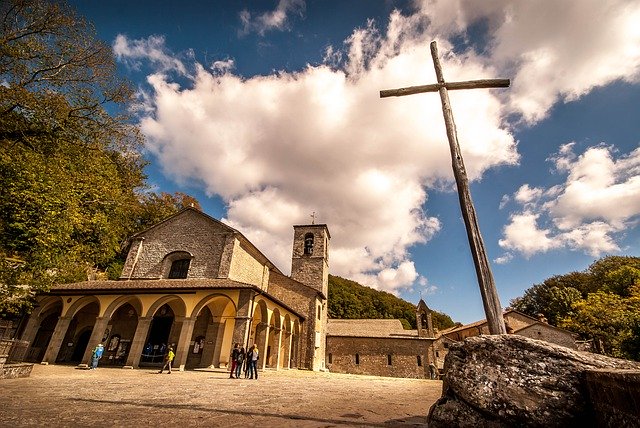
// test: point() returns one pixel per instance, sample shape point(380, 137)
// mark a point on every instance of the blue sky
point(269, 111)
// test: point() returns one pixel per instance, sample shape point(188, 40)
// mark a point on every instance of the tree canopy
point(600, 304)
point(350, 300)
point(73, 186)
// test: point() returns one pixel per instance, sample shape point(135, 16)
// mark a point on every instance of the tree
point(552, 301)
point(350, 300)
point(608, 319)
point(69, 163)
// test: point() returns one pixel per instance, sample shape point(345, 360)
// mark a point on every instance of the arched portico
point(211, 339)
point(41, 326)
point(272, 355)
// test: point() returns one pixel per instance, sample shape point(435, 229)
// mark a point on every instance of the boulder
point(510, 380)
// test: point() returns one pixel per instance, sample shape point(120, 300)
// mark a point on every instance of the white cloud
point(274, 20)
point(280, 146)
point(599, 200)
point(553, 50)
point(151, 49)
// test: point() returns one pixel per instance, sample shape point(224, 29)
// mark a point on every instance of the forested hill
point(350, 300)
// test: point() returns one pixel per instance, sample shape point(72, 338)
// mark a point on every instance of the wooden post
point(488, 291)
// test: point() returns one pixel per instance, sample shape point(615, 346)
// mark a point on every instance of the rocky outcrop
point(510, 380)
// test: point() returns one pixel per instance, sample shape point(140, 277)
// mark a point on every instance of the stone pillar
point(243, 317)
point(262, 336)
point(217, 350)
point(225, 336)
point(288, 340)
point(96, 337)
point(182, 349)
point(56, 339)
point(138, 342)
point(210, 345)
point(31, 329)
point(277, 335)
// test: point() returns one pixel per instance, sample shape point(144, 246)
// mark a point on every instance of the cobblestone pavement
point(63, 396)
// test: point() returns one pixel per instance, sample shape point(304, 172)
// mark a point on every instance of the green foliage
point(601, 304)
point(350, 300)
point(71, 171)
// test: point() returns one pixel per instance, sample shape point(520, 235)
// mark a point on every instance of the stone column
point(243, 317)
point(277, 335)
point(225, 340)
point(210, 345)
point(262, 336)
point(182, 349)
point(56, 339)
point(288, 340)
point(96, 337)
point(138, 342)
point(31, 329)
point(217, 350)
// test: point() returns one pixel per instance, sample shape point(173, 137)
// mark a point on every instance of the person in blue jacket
point(96, 355)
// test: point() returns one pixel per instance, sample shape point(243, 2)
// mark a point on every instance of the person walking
point(239, 361)
point(252, 359)
point(234, 359)
point(96, 354)
point(168, 359)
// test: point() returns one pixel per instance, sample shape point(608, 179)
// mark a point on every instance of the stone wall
point(374, 355)
point(189, 231)
point(304, 300)
point(245, 268)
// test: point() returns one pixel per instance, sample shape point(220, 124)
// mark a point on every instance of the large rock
point(510, 380)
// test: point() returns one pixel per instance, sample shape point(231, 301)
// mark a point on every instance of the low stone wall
point(12, 371)
point(615, 396)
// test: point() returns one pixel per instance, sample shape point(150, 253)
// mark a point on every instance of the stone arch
point(214, 322)
point(122, 315)
point(82, 316)
point(41, 325)
point(46, 304)
point(174, 256)
point(206, 300)
point(132, 300)
point(81, 303)
point(176, 303)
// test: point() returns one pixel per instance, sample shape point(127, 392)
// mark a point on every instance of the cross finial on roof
point(313, 217)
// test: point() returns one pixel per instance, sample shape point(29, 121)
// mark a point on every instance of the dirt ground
point(63, 396)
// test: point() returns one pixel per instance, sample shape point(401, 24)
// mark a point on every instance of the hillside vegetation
point(601, 304)
point(350, 300)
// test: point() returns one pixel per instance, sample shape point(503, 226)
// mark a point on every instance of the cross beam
point(490, 299)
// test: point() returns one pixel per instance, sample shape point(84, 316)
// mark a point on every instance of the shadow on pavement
point(410, 421)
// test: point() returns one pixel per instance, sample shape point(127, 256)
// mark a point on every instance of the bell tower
point(310, 256)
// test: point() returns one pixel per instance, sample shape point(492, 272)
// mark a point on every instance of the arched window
point(419, 361)
point(389, 362)
point(179, 269)
point(308, 244)
point(357, 358)
point(330, 358)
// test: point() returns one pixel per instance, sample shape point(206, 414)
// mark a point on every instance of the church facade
point(198, 285)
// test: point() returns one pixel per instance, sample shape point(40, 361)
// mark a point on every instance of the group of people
point(247, 359)
point(239, 359)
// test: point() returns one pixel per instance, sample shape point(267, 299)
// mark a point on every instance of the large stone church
point(198, 285)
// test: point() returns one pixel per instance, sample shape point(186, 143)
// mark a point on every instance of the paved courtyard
point(63, 396)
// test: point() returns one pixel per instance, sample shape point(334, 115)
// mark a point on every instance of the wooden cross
point(488, 291)
point(313, 217)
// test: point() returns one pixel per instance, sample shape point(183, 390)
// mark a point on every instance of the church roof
point(389, 328)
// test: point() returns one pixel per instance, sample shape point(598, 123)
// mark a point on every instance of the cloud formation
point(280, 146)
point(599, 200)
point(273, 20)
